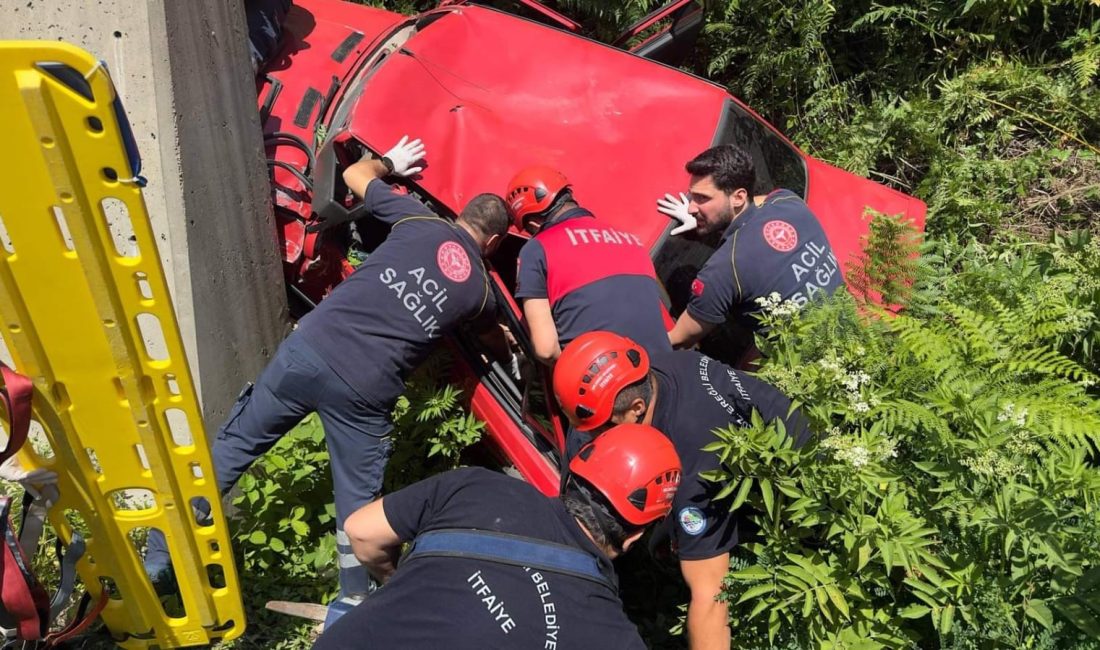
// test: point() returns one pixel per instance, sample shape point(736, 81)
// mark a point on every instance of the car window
point(778, 164)
point(678, 259)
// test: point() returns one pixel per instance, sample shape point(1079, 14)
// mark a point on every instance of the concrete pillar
point(182, 69)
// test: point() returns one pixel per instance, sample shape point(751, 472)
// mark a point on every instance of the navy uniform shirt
point(596, 278)
point(424, 280)
point(775, 247)
point(454, 603)
point(695, 396)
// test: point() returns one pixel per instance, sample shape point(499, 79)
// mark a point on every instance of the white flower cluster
point(1009, 412)
point(990, 463)
point(847, 449)
point(853, 382)
point(774, 305)
point(1022, 443)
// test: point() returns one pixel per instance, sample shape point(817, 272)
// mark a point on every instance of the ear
point(633, 538)
point(738, 199)
point(633, 413)
point(491, 244)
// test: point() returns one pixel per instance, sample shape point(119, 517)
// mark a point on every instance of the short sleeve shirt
point(422, 282)
point(454, 602)
point(777, 247)
point(595, 278)
point(695, 396)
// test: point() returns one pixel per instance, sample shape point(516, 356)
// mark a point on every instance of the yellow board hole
point(118, 221)
point(153, 336)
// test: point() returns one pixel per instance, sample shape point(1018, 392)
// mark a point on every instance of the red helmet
point(532, 191)
point(591, 372)
point(635, 467)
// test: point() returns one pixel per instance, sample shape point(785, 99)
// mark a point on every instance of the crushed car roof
point(490, 94)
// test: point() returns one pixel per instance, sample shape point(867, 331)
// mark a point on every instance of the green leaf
point(914, 611)
point(276, 545)
point(838, 600)
point(947, 619)
point(769, 498)
point(755, 572)
point(864, 556)
point(742, 494)
point(1039, 611)
point(300, 528)
point(756, 592)
point(257, 537)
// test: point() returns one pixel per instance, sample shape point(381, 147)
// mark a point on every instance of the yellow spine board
point(87, 315)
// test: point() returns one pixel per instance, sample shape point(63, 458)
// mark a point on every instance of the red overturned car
point(491, 92)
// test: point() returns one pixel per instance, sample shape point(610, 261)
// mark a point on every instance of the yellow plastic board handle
point(87, 315)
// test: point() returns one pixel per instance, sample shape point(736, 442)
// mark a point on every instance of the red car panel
point(490, 94)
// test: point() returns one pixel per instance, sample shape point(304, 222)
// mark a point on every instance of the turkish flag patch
point(696, 287)
point(780, 235)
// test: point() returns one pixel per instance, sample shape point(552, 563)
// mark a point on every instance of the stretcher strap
point(510, 549)
point(17, 393)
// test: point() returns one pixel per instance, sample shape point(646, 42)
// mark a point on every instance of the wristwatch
point(387, 163)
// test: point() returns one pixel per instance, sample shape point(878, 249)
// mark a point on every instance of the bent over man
point(577, 275)
point(603, 379)
point(349, 357)
point(770, 244)
point(494, 563)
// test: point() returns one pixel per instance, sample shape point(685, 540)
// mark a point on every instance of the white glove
point(40, 482)
point(404, 154)
point(677, 209)
point(514, 369)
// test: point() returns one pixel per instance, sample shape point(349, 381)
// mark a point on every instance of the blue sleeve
point(531, 274)
point(390, 207)
point(714, 290)
point(703, 527)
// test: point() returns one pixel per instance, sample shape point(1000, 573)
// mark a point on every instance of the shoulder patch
point(453, 261)
point(780, 235)
point(697, 287)
point(692, 521)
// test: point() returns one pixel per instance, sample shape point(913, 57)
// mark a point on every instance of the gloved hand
point(677, 209)
point(514, 369)
point(404, 154)
point(40, 482)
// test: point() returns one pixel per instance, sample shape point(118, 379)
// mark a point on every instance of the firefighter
point(575, 275)
point(494, 563)
point(348, 359)
point(770, 244)
point(603, 379)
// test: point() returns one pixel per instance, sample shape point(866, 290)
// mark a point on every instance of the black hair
point(641, 389)
point(488, 214)
point(591, 508)
point(730, 167)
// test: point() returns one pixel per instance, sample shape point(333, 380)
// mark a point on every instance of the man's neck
point(610, 553)
point(471, 230)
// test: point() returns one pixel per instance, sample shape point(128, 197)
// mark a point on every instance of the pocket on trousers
point(238, 407)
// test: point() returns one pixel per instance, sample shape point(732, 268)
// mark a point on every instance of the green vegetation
point(952, 501)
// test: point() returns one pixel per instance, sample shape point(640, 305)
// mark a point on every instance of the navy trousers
point(295, 383)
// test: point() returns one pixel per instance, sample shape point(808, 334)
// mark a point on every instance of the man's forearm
point(687, 332)
point(707, 625)
point(380, 562)
point(358, 175)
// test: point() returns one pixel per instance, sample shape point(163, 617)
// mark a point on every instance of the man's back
point(423, 280)
point(448, 602)
point(695, 396)
point(595, 278)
